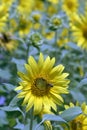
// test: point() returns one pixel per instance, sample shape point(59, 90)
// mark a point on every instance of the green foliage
point(13, 115)
point(67, 114)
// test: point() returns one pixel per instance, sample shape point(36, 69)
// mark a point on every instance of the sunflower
point(53, 1)
point(8, 2)
point(24, 26)
point(48, 34)
point(42, 84)
point(63, 38)
point(80, 122)
point(52, 10)
point(70, 6)
point(3, 16)
point(25, 8)
point(38, 5)
point(7, 43)
point(79, 28)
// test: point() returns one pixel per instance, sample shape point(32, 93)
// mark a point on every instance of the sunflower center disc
point(41, 83)
point(70, 5)
point(76, 125)
point(85, 33)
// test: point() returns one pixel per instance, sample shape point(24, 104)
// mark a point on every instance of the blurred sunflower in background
point(53, 1)
point(42, 84)
point(80, 122)
point(63, 38)
point(3, 16)
point(39, 5)
point(24, 26)
point(48, 34)
point(36, 20)
point(70, 6)
point(25, 8)
point(8, 3)
point(79, 29)
point(51, 10)
point(7, 42)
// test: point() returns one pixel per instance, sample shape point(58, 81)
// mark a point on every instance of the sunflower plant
point(43, 65)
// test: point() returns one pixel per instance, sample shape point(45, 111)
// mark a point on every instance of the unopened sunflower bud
point(35, 39)
point(55, 22)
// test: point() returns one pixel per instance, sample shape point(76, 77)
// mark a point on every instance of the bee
point(42, 83)
point(49, 85)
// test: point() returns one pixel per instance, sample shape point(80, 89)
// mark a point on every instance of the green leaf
point(9, 86)
point(2, 89)
point(5, 74)
point(19, 125)
point(3, 118)
point(71, 113)
point(77, 95)
point(51, 118)
point(14, 101)
point(82, 82)
point(13, 106)
point(73, 46)
point(20, 64)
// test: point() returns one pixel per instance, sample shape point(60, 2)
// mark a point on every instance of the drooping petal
point(37, 105)
point(56, 98)
point(30, 103)
point(27, 98)
point(23, 76)
point(19, 88)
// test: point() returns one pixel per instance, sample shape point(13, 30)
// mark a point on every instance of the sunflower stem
point(56, 36)
point(27, 52)
point(32, 117)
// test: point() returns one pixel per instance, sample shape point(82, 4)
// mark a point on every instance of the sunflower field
point(43, 64)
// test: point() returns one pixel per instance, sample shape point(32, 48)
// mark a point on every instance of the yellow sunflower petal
point(37, 105)
point(26, 98)
point(30, 103)
point(33, 64)
point(19, 88)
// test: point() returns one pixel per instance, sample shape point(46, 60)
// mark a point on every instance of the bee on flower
point(42, 84)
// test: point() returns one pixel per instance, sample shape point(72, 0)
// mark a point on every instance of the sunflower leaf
point(82, 82)
point(13, 106)
point(71, 113)
point(51, 118)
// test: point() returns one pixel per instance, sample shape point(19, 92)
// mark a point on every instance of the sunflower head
point(7, 42)
point(70, 6)
point(36, 17)
point(79, 30)
point(24, 26)
point(80, 122)
point(55, 22)
point(25, 8)
point(53, 1)
point(48, 34)
point(35, 38)
point(42, 84)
